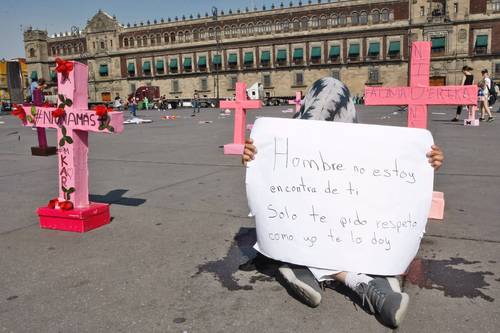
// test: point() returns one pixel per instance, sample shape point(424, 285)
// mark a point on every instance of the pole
point(215, 17)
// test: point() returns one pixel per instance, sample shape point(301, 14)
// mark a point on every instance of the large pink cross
point(297, 101)
point(419, 94)
point(241, 104)
point(72, 134)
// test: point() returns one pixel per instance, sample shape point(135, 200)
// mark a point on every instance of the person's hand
point(436, 157)
point(249, 152)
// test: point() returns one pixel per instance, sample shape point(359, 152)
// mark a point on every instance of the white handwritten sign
point(345, 197)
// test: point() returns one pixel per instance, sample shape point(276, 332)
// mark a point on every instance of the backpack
point(493, 93)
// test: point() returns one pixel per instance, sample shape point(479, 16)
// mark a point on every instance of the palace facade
point(284, 47)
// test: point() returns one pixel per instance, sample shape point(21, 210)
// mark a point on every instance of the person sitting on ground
point(329, 99)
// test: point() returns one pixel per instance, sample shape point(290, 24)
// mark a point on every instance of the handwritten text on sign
point(346, 197)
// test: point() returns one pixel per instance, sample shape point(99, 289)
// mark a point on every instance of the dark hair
point(41, 81)
point(484, 71)
point(467, 68)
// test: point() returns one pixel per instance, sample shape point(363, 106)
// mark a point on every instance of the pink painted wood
point(297, 101)
point(419, 94)
point(241, 104)
point(78, 121)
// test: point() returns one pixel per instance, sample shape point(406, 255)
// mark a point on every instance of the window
point(32, 53)
point(363, 18)
point(103, 70)
point(204, 84)
point(481, 45)
point(316, 54)
point(354, 51)
point(298, 55)
point(180, 37)
point(314, 22)
point(334, 54)
point(323, 22)
point(497, 70)
point(455, 7)
point(496, 5)
point(296, 25)
point(160, 66)
point(165, 38)
point(422, 11)
point(373, 75)
point(144, 41)
point(354, 18)
point(438, 46)
point(158, 39)
point(265, 58)
point(384, 15)
point(248, 59)
point(234, 31)
point(175, 86)
point(394, 49)
point(299, 79)
point(286, 26)
point(342, 20)
point(103, 45)
point(139, 42)
point(227, 32)
point(172, 37)
point(374, 50)
point(266, 79)
point(304, 23)
point(281, 57)
point(188, 64)
point(232, 82)
point(336, 74)
point(278, 26)
point(131, 69)
point(131, 42)
point(202, 63)
point(250, 30)
point(152, 40)
point(232, 60)
point(211, 33)
point(217, 62)
point(173, 65)
point(334, 21)
point(146, 68)
point(106, 96)
point(53, 50)
point(125, 42)
point(187, 36)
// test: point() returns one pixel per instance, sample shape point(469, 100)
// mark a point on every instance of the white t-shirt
point(487, 86)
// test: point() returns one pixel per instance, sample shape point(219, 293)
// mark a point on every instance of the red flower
point(64, 67)
point(53, 203)
point(66, 205)
point(46, 105)
point(19, 112)
point(101, 110)
point(59, 112)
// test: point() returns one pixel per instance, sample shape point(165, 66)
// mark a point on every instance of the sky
point(59, 16)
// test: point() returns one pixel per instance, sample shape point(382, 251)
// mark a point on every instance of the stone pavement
point(168, 261)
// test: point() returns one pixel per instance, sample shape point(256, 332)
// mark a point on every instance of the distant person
point(467, 80)
point(118, 104)
point(484, 95)
point(33, 86)
point(146, 102)
point(37, 96)
point(132, 105)
point(196, 102)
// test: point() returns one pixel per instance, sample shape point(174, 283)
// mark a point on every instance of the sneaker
point(490, 119)
point(481, 119)
point(391, 306)
point(455, 119)
point(303, 283)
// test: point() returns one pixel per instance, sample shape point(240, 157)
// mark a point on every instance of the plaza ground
point(169, 260)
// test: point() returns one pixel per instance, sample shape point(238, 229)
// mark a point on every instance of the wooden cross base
point(75, 220)
point(45, 151)
point(437, 206)
point(471, 122)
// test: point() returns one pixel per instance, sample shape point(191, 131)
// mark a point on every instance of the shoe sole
point(401, 313)
point(394, 283)
point(301, 289)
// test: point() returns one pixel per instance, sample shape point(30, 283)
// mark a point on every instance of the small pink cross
point(297, 101)
point(72, 134)
point(419, 94)
point(241, 104)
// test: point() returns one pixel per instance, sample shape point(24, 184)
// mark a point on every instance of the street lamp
point(217, 42)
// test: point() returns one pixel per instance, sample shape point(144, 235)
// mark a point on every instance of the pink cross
point(419, 94)
point(72, 134)
point(241, 104)
point(297, 101)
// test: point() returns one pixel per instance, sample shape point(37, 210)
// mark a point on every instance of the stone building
point(284, 47)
